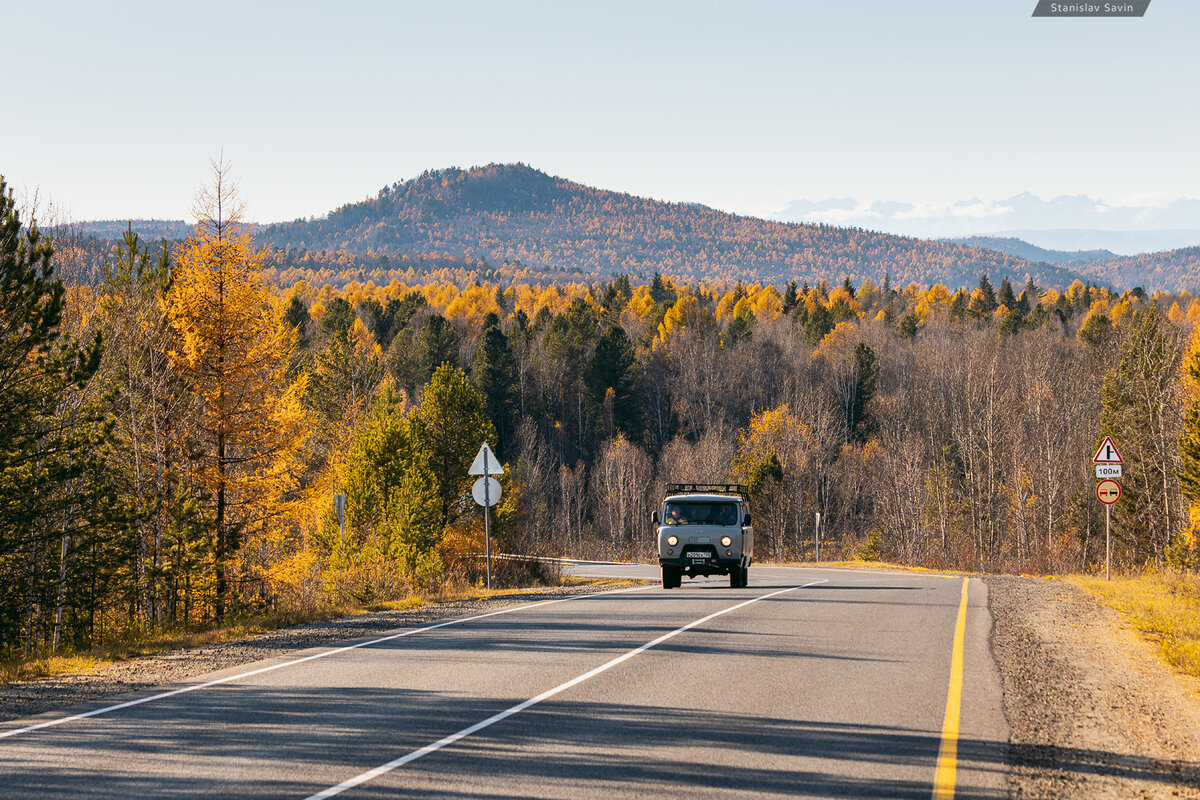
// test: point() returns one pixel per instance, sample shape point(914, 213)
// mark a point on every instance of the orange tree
point(236, 349)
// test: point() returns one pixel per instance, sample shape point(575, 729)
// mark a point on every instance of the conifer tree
point(236, 350)
point(41, 450)
point(391, 495)
point(449, 427)
point(614, 368)
point(790, 298)
point(494, 375)
point(436, 344)
point(1006, 297)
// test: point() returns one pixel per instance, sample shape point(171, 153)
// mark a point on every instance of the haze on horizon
point(744, 108)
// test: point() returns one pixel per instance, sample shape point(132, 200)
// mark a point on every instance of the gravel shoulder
point(24, 699)
point(1093, 712)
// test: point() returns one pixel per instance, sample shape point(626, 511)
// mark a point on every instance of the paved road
point(811, 683)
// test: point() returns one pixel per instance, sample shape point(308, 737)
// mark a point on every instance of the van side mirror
point(746, 521)
point(654, 516)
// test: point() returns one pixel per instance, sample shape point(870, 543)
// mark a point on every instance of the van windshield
point(700, 514)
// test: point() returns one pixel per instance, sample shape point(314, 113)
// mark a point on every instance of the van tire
point(671, 577)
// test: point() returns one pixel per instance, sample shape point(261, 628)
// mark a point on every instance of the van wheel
point(735, 578)
point(745, 577)
point(671, 577)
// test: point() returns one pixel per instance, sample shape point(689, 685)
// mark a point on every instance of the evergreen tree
point(983, 301)
point(662, 292)
point(449, 427)
point(849, 286)
point(42, 451)
point(494, 375)
point(1029, 297)
point(790, 298)
point(864, 376)
point(391, 494)
point(959, 305)
point(612, 376)
point(436, 344)
point(296, 317)
point(1006, 297)
point(818, 325)
point(338, 317)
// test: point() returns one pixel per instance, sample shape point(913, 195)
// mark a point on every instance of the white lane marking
point(519, 707)
point(324, 654)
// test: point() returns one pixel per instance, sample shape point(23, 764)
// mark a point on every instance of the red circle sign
point(1108, 492)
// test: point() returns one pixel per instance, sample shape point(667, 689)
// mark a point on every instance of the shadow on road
point(245, 741)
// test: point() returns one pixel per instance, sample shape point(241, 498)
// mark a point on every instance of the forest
point(172, 432)
point(514, 214)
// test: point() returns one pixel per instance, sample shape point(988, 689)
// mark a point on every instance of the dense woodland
point(172, 433)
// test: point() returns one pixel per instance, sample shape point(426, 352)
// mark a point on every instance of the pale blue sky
point(115, 108)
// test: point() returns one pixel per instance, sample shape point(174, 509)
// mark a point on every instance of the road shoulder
point(1092, 711)
point(29, 698)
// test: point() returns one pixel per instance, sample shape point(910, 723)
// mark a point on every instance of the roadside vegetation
point(140, 642)
point(1164, 606)
point(172, 432)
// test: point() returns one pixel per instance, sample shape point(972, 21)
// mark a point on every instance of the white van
point(704, 529)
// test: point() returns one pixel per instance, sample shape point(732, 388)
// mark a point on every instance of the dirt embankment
point(1093, 712)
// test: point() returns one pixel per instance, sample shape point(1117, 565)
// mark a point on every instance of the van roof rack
point(708, 488)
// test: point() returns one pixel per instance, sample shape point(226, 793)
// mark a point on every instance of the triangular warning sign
point(1107, 454)
point(493, 463)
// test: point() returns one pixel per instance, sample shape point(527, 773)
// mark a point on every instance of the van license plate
point(698, 556)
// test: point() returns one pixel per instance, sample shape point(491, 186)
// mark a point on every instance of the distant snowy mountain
point(1068, 222)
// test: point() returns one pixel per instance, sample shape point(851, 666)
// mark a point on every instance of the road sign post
point(817, 535)
point(339, 501)
point(1108, 492)
point(485, 464)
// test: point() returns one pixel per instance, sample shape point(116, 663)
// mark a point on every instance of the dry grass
point(134, 644)
point(1163, 606)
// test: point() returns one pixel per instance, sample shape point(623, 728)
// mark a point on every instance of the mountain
point(1031, 252)
point(147, 229)
point(516, 215)
point(1067, 222)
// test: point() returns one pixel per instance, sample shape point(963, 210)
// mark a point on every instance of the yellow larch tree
point(235, 350)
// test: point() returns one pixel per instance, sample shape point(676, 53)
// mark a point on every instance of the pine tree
point(864, 376)
point(661, 292)
point(614, 368)
point(391, 495)
point(436, 344)
point(449, 427)
point(1006, 297)
point(494, 375)
point(790, 298)
point(42, 450)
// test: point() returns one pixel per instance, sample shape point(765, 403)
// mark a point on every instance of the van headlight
point(726, 541)
point(672, 540)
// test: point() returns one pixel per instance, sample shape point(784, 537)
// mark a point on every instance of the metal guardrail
point(542, 559)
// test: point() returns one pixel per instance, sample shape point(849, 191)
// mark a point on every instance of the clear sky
point(113, 110)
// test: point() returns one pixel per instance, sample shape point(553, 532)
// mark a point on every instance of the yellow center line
point(947, 763)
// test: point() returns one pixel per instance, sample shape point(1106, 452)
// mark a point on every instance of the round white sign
point(493, 491)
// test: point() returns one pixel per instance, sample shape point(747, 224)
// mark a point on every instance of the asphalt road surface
point(809, 683)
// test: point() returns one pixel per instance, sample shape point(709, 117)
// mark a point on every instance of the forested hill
point(1031, 252)
point(1172, 270)
point(515, 214)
